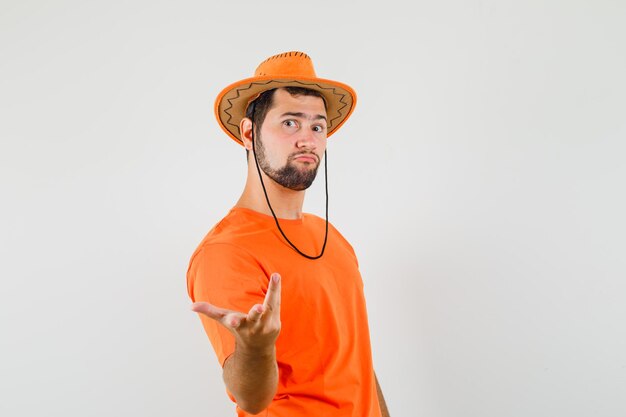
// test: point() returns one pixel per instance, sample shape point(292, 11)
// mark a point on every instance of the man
point(279, 290)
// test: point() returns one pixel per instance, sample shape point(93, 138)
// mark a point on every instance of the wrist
point(256, 351)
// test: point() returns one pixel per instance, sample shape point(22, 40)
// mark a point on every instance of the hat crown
point(287, 64)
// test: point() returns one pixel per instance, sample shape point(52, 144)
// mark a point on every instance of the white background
point(480, 180)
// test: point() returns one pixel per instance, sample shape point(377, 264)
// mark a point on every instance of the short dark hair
point(263, 104)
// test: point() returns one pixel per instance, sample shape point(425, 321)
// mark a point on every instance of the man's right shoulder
point(234, 238)
point(232, 230)
point(233, 247)
point(219, 256)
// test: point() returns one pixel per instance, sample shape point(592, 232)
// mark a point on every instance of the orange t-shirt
point(323, 350)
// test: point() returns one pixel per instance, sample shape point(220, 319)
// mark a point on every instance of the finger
point(255, 313)
point(272, 297)
point(228, 318)
point(234, 320)
point(209, 310)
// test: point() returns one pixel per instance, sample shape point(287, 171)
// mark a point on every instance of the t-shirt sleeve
point(230, 278)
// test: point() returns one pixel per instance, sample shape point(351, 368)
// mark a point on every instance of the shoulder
point(236, 230)
point(228, 249)
point(320, 223)
point(224, 268)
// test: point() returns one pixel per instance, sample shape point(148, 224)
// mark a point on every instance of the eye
point(290, 123)
point(319, 128)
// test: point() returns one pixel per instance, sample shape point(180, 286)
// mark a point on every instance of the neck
point(287, 203)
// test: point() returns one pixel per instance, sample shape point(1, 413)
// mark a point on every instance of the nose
point(307, 139)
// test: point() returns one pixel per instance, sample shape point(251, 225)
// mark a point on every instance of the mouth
point(306, 157)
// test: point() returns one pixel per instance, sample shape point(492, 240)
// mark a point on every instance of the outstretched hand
point(258, 329)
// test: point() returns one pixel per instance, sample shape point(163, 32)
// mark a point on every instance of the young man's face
point(292, 139)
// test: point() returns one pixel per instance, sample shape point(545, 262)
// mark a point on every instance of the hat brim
point(231, 103)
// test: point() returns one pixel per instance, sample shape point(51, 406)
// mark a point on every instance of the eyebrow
point(304, 116)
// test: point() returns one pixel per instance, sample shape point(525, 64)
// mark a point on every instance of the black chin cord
point(270, 206)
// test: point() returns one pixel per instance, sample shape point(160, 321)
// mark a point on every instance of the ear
point(245, 127)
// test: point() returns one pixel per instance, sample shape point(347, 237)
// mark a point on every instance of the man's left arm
point(381, 399)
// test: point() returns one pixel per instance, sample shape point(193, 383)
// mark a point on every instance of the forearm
point(381, 400)
point(252, 378)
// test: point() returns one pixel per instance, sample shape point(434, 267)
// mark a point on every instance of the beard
point(289, 176)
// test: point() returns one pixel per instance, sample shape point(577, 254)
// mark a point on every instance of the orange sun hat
point(289, 69)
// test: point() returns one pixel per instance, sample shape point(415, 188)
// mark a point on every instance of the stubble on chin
point(290, 176)
point(293, 177)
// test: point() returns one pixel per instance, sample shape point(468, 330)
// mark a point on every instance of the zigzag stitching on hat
point(339, 110)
